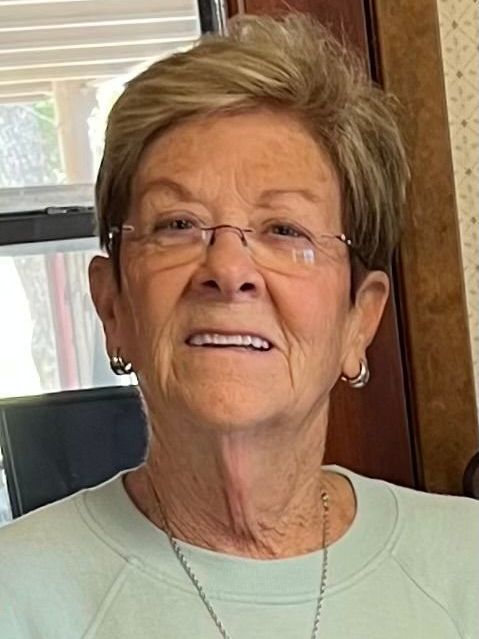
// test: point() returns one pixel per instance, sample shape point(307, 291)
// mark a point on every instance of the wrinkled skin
point(237, 437)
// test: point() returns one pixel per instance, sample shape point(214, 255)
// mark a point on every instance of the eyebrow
point(306, 194)
point(185, 194)
point(166, 184)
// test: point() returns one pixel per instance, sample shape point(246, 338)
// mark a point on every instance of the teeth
point(257, 342)
point(201, 339)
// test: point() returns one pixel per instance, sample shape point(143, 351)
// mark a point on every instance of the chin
point(229, 407)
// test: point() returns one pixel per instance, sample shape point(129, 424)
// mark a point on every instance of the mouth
point(239, 341)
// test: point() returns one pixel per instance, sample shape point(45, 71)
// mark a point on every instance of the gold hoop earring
point(361, 379)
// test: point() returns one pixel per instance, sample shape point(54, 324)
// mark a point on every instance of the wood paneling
point(369, 428)
point(432, 299)
point(345, 17)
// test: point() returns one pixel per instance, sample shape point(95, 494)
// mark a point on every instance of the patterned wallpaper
point(459, 28)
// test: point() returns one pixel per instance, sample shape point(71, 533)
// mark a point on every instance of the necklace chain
point(201, 592)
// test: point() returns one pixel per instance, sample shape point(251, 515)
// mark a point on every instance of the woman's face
point(239, 170)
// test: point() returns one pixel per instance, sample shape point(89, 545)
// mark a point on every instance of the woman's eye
point(180, 225)
point(286, 230)
point(174, 224)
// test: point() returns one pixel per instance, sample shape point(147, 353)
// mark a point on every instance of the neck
point(254, 493)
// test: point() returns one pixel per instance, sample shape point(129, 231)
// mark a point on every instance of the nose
point(228, 271)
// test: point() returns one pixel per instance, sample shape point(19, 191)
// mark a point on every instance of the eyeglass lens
point(276, 252)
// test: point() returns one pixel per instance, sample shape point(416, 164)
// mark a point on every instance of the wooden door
point(369, 429)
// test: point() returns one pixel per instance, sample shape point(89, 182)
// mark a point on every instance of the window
point(62, 64)
point(50, 337)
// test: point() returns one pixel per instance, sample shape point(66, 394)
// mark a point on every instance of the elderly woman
point(249, 199)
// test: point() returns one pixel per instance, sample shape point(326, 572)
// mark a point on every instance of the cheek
point(151, 296)
point(313, 316)
point(317, 308)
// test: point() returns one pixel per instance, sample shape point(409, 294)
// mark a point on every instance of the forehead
point(242, 153)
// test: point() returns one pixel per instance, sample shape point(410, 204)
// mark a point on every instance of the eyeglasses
point(279, 247)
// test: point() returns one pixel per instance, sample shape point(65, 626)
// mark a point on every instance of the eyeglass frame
point(117, 231)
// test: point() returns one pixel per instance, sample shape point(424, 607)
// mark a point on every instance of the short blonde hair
point(293, 64)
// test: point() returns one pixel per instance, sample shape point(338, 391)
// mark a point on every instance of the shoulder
point(436, 547)
point(60, 532)
point(423, 523)
point(430, 545)
point(444, 523)
point(54, 564)
point(46, 535)
point(32, 538)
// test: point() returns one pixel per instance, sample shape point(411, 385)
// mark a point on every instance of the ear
point(364, 319)
point(105, 295)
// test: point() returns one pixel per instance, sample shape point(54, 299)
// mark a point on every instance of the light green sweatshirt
point(93, 567)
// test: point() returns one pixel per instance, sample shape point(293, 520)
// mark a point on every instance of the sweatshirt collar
point(114, 517)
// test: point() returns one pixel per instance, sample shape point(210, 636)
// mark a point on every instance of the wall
point(459, 30)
